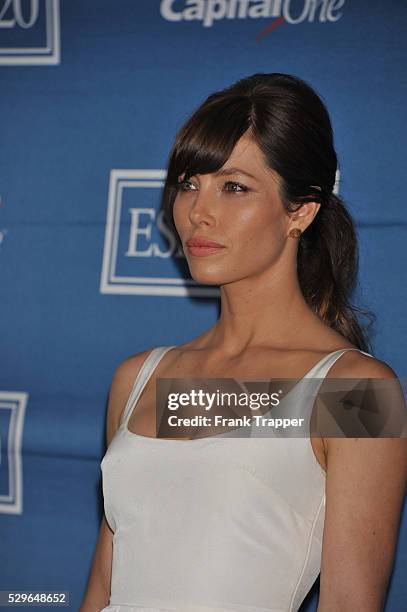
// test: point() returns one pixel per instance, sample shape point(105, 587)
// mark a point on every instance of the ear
point(304, 215)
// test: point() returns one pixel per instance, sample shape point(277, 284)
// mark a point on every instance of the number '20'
point(26, 20)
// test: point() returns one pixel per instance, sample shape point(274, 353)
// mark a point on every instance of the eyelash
point(180, 185)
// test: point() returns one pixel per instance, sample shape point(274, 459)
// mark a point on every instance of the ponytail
point(327, 263)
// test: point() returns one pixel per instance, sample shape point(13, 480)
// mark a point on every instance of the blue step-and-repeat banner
point(92, 93)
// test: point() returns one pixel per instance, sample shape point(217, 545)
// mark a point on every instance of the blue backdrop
point(92, 94)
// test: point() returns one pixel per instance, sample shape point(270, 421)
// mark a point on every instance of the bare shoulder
point(122, 383)
point(354, 364)
point(125, 370)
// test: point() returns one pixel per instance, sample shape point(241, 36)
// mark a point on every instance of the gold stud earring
point(295, 232)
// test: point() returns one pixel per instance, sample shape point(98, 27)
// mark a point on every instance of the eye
point(241, 187)
point(237, 187)
point(181, 185)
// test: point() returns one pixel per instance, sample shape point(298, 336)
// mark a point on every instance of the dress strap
point(147, 368)
point(321, 369)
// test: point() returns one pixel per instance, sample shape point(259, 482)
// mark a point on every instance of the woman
point(228, 523)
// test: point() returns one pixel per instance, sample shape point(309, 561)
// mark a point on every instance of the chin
point(210, 278)
point(206, 279)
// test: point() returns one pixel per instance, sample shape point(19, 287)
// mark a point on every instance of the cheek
point(262, 228)
point(180, 214)
point(175, 213)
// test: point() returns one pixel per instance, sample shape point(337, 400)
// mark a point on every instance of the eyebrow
point(234, 170)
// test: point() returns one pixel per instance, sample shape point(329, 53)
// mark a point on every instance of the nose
point(202, 209)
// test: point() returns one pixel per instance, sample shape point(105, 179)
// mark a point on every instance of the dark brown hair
point(290, 124)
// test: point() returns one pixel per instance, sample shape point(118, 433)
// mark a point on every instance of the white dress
point(214, 524)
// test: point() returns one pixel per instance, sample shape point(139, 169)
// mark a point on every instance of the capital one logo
point(140, 255)
point(292, 12)
point(12, 412)
point(29, 32)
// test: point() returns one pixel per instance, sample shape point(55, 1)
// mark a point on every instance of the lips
point(198, 246)
point(203, 242)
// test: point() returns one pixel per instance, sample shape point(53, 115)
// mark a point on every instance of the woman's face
point(241, 212)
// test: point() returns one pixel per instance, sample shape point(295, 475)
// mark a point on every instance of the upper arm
point(365, 487)
point(122, 383)
point(98, 588)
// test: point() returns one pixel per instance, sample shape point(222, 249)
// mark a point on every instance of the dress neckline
point(163, 350)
